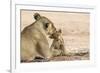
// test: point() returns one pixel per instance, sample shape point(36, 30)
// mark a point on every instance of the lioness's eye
point(46, 25)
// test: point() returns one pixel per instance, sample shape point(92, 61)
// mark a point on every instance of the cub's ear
point(37, 16)
point(60, 31)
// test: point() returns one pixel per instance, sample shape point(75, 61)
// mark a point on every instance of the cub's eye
point(46, 25)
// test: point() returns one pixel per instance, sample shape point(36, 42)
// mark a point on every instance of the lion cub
point(57, 45)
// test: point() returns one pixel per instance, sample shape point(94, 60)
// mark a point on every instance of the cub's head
point(48, 26)
point(56, 34)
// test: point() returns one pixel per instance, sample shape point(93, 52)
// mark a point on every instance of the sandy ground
point(71, 57)
point(76, 57)
point(75, 28)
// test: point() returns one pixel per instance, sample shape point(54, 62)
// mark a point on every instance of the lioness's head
point(47, 24)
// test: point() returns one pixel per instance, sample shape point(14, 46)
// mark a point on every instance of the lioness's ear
point(37, 16)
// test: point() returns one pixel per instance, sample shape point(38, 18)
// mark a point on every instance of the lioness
point(33, 39)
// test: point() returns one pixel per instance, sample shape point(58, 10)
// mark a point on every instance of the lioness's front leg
point(44, 50)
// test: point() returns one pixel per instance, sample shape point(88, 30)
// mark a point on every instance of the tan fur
point(33, 39)
point(57, 44)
